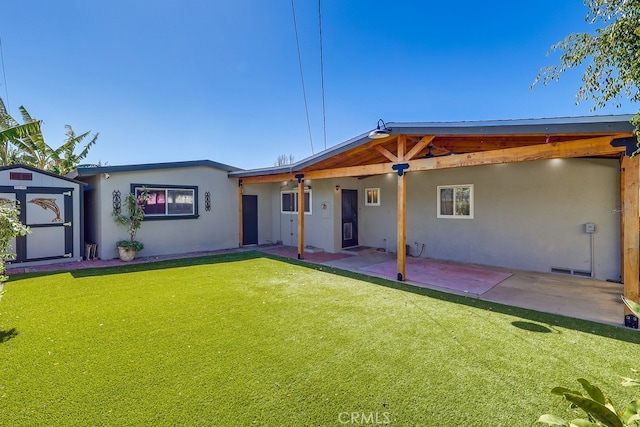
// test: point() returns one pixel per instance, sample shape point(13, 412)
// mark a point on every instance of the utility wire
point(304, 92)
point(324, 113)
point(4, 78)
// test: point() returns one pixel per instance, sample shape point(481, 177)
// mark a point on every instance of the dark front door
point(249, 220)
point(349, 218)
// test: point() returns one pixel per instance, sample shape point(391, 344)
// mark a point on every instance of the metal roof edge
point(94, 170)
point(577, 124)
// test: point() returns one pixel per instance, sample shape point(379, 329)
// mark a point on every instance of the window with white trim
point(372, 197)
point(169, 202)
point(289, 202)
point(455, 201)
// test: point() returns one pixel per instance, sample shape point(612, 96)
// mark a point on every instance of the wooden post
point(402, 211)
point(631, 228)
point(300, 216)
point(402, 226)
point(621, 213)
point(240, 231)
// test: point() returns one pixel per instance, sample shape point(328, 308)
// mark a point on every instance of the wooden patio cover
point(415, 147)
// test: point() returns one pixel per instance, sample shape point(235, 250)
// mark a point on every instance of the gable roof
point(95, 170)
point(456, 137)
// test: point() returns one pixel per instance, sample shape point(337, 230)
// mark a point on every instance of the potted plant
point(128, 249)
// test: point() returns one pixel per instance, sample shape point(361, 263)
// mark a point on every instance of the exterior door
point(249, 220)
point(349, 218)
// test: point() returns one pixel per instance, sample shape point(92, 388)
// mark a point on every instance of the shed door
point(48, 212)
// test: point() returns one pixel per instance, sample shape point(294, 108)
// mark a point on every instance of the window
point(372, 197)
point(169, 202)
point(289, 202)
point(455, 201)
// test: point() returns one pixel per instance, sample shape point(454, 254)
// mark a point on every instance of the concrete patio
point(572, 296)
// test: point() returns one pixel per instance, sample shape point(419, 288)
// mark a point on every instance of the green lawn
point(249, 340)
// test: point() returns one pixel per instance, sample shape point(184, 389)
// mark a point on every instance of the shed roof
point(40, 171)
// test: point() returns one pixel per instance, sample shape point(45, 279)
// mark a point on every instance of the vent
point(571, 271)
point(21, 176)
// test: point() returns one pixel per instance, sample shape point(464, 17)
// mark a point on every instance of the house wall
point(212, 230)
point(322, 226)
point(527, 216)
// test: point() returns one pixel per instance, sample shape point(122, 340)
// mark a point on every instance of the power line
point(304, 92)
point(324, 113)
point(4, 77)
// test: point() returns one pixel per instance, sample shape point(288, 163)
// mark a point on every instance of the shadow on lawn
point(7, 335)
point(144, 266)
point(536, 319)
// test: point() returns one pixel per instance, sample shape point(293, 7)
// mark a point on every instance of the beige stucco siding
point(527, 216)
point(212, 230)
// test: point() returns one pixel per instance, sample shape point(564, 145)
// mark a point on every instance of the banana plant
point(599, 409)
point(24, 143)
point(632, 305)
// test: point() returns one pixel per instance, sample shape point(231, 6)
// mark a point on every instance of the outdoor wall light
point(380, 132)
point(337, 188)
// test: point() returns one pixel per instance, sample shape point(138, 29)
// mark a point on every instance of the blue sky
point(180, 80)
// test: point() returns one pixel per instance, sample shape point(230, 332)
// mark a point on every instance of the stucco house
point(550, 195)
point(192, 207)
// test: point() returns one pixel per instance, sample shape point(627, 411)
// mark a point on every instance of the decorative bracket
point(400, 168)
point(300, 177)
point(630, 143)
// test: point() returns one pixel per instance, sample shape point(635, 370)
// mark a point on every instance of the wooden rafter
point(419, 147)
point(388, 154)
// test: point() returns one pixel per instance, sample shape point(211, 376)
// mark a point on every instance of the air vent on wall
point(571, 271)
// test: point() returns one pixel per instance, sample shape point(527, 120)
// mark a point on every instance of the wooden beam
point(631, 211)
point(301, 218)
point(419, 146)
point(402, 147)
point(388, 154)
point(263, 179)
point(401, 257)
point(621, 219)
point(240, 213)
point(578, 148)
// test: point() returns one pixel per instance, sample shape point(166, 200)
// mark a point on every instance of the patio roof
point(436, 139)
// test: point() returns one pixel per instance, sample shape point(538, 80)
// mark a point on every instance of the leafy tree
point(11, 131)
point(611, 54)
point(31, 149)
point(283, 159)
